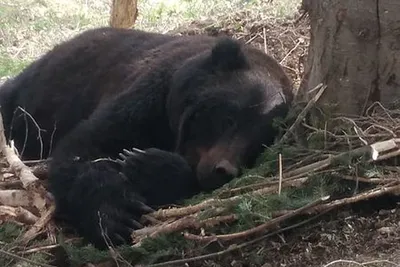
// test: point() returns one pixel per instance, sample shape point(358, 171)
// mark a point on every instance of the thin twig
point(280, 174)
point(37, 127)
point(305, 111)
point(265, 41)
point(300, 41)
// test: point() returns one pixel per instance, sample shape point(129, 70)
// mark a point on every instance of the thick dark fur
point(200, 108)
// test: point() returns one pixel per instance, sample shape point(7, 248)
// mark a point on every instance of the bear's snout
point(225, 168)
point(216, 167)
point(212, 176)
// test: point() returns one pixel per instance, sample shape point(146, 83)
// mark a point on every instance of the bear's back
point(70, 81)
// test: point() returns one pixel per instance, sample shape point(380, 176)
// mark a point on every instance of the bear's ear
point(227, 54)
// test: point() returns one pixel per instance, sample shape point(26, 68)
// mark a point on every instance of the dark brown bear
point(134, 120)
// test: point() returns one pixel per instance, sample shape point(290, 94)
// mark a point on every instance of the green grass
point(10, 66)
point(161, 15)
point(29, 28)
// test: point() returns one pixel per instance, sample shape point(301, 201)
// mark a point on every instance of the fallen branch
point(18, 214)
point(38, 226)
point(23, 172)
point(10, 184)
point(288, 182)
point(180, 212)
point(188, 222)
point(373, 193)
point(385, 149)
point(265, 226)
point(332, 160)
point(374, 151)
point(369, 180)
point(163, 214)
point(36, 249)
point(24, 198)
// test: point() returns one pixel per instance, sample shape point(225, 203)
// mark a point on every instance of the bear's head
point(221, 109)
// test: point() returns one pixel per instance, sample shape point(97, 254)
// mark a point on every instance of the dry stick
point(234, 247)
point(179, 212)
point(280, 174)
point(16, 197)
point(36, 228)
point(252, 187)
point(35, 161)
point(302, 162)
point(265, 226)
point(20, 169)
point(42, 248)
point(359, 197)
point(320, 165)
point(23, 172)
point(35, 249)
point(304, 112)
point(312, 167)
point(373, 193)
point(300, 18)
point(363, 264)
point(300, 41)
point(370, 180)
point(265, 41)
point(19, 214)
point(179, 225)
point(10, 184)
point(247, 188)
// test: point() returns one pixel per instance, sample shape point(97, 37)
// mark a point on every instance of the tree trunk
point(123, 13)
point(355, 51)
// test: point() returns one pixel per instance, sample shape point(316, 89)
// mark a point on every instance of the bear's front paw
point(161, 177)
point(113, 222)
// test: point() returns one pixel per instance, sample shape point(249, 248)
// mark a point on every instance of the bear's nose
point(226, 170)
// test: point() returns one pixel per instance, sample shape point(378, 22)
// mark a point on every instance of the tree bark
point(123, 13)
point(354, 50)
point(389, 50)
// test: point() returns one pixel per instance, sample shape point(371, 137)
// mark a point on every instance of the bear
point(131, 120)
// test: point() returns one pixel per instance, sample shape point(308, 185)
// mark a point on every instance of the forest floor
point(346, 238)
point(366, 233)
